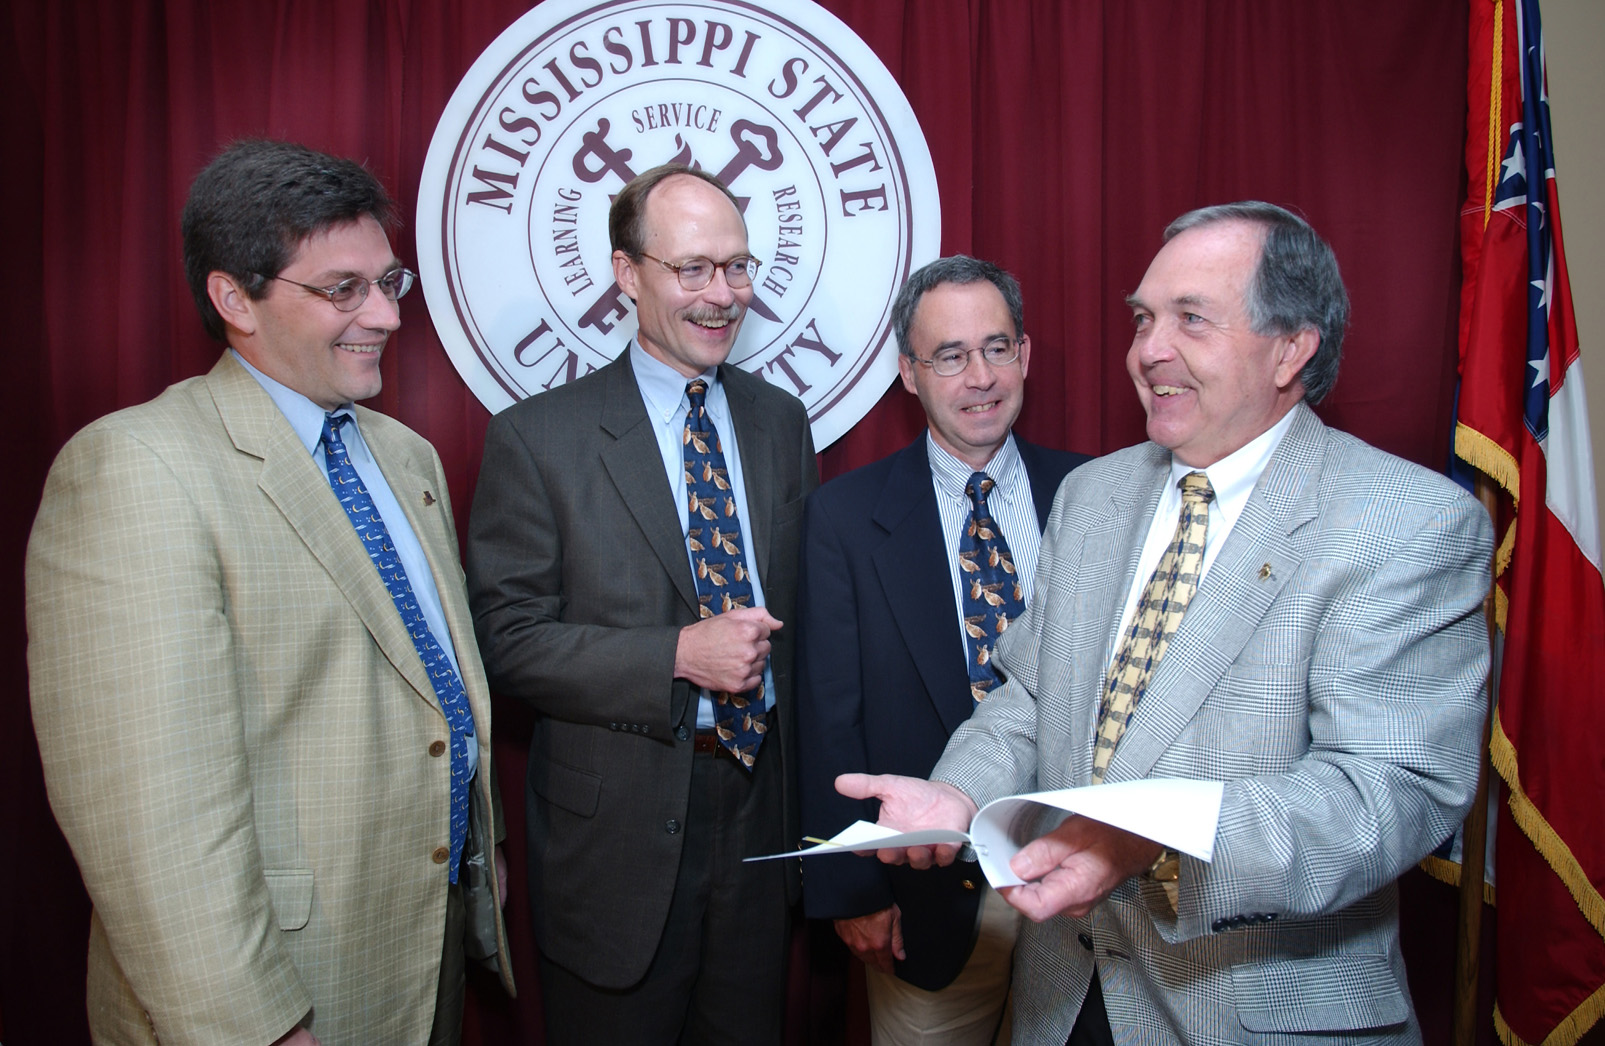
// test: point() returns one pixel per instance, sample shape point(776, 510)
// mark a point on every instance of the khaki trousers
point(972, 1011)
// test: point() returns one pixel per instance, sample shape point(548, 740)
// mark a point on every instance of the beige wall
point(1574, 34)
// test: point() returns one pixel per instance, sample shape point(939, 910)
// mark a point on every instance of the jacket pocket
point(574, 790)
point(1321, 993)
point(291, 893)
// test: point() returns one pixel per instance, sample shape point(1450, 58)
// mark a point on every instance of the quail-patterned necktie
point(992, 593)
point(1158, 614)
point(720, 565)
point(354, 498)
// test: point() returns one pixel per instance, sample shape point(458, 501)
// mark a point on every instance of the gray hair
point(1295, 286)
point(959, 268)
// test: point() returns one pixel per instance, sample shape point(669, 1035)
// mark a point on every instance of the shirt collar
point(1233, 477)
point(304, 416)
point(662, 387)
point(952, 475)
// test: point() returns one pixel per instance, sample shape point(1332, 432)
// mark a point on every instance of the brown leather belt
point(707, 741)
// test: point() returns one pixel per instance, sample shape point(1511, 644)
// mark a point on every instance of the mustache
point(707, 313)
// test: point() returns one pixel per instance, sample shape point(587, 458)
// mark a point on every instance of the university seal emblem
point(787, 106)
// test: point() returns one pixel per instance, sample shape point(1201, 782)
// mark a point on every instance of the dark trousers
point(448, 1026)
point(719, 974)
point(1092, 1024)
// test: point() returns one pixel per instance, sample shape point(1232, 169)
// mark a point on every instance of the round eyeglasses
point(950, 362)
point(348, 295)
point(696, 273)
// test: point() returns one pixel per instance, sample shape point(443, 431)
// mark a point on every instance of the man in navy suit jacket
point(883, 679)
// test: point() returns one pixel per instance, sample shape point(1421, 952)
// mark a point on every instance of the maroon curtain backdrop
point(1065, 134)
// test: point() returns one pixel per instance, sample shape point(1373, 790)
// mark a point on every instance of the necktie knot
point(697, 393)
point(978, 487)
point(1195, 488)
point(331, 427)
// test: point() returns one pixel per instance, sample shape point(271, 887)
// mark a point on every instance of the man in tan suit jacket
point(240, 738)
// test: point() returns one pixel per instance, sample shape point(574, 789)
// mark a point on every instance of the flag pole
point(1474, 835)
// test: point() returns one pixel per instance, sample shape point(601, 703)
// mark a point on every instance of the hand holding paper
point(1075, 866)
point(1075, 862)
point(911, 807)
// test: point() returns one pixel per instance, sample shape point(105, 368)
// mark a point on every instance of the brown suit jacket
point(236, 728)
point(580, 584)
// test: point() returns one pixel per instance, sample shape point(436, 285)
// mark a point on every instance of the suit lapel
point(757, 447)
point(911, 565)
point(1044, 487)
point(1260, 557)
point(291, 480)
point(635, 465)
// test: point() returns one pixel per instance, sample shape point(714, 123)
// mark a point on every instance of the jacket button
point(437, 748)
point(1086, 941)
point(440, 855)
point(682, 732)
point(672, 826)
point(1219, 925)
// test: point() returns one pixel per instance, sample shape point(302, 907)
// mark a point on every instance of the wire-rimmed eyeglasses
point(348, 295)
point(696, 273)
point(998, 352)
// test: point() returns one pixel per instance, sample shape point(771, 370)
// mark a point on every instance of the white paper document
point(1176, 813)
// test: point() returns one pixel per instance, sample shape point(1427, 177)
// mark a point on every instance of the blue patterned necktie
point(992, 593)
point(348, 487)
point(723, 583)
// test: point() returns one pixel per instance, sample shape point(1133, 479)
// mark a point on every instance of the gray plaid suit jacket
point(1330, 670)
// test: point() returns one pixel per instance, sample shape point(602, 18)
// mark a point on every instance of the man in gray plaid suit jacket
point(1329, 670)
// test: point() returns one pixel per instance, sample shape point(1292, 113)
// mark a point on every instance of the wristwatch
point(1166, 867)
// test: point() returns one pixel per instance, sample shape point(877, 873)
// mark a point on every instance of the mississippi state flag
point(1524, 421)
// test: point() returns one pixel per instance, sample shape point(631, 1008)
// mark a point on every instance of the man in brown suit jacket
point(240, 737)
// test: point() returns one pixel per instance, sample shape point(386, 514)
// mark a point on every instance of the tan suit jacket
point(239, 739)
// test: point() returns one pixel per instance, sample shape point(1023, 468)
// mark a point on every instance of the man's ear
point(1296, 351)
point(624, 273)
point(905, 367)
point(231, 302)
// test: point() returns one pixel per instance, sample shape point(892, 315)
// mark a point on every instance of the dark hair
point(626, 219)
point(959, 268)
point(1295, 286)
point(256, 202)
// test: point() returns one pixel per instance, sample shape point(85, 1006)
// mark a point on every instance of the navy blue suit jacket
point(882, 685)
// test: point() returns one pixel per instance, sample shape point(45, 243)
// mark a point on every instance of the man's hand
point(910, 804)
point(1075, 866)
point(726, 651)
point(874, 939)
point(298, 1036)
point(501, 876)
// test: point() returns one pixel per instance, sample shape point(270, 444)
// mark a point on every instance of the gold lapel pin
point(1265, 572)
